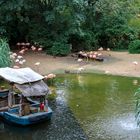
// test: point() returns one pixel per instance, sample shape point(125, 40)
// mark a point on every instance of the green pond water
point(103, 105)
point(88, 106)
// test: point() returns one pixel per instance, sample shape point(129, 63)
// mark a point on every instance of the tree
point(82, 24)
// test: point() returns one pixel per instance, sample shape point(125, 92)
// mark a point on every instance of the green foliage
point(60, 49)
point(4, 53)
point(54, 24)
point(135, 23)
point(52, 96)
point(134, 46)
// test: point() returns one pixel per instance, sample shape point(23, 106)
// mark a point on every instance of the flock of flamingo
point(92, 55)
point(18, 59)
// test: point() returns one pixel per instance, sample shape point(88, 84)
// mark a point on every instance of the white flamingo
point(14, 54)
point(39, 49)
point(108, 49)
point(37, 65)
point(100, 49)
point(23, 60)
point(17, 60)
point(22, 52)
point(80, 60)
point(135, 64)
point(19, 57)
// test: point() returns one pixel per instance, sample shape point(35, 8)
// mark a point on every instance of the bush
point(134, 46)
point(4, 53)
point(60, 49)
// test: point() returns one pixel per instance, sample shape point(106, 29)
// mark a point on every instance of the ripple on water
point(119, 127)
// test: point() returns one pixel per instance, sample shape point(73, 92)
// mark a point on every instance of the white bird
point(108, 49)
point(100, 49)
point(18, 44)
point(17, 60)
point(99, 54)
point(33, 48)
point(135, 63)
point(19, 57)
point(23, 60)
point(22, 51)
point(80, 60)
point(39, 49)
point(107, 71)
point(14, 54)
point(23, 43)
point(37, 64)
point(27, 44)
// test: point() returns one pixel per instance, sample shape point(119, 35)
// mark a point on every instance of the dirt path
point(118, 63)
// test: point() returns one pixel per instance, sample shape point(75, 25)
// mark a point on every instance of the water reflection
point(104, 105)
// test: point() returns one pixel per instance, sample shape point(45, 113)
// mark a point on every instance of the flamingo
point(107, 71)
point(51, 75)
point(27, 44)
point(135, 63)
point(23, 44)
point(14, 54)
point(100, 49)
point(99, 54)
point(80, 60)
point(33, 48)
point(23, 60)
point(108, 49)
point(19, 57)
point(39, 49)
point(17, 60)
point(22, 52)
point(37, 64)
point(18, 44)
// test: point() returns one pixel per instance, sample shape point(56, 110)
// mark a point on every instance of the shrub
point(4, 53)
point(134, 46)
point(60, 49)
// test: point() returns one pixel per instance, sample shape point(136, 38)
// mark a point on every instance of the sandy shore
point(116, 63)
